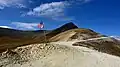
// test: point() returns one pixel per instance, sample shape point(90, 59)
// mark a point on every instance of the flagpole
point(44, 33)
point(41, 26)
point(44, 36)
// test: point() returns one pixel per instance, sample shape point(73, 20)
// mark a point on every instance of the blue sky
point(103, 16)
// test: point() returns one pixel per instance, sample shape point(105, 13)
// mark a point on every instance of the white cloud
point(54, 10)
point(25, 26)
point(9, 3)
point(5, 27)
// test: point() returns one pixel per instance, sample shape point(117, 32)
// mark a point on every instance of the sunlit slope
point(76, 34)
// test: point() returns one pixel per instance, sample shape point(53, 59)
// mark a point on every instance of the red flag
point(41, 25)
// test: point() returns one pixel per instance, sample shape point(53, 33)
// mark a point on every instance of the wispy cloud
point(24, 26)
point(54, 10)
point(9, 3)
point(49, 10)
point(5, 27)
point(79, 1)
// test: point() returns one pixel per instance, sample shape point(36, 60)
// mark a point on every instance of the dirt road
point(66, 55)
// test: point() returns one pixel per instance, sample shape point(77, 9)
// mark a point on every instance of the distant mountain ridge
point(116, 37)
point(14, 32)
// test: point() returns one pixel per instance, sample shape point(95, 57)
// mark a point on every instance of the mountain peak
point(63, 28)
point(69, 25)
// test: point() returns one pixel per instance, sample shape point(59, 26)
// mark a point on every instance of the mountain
point(90, 39)
point(116, 37)
point(66, 46)
point(61, 29)
point(10, 38)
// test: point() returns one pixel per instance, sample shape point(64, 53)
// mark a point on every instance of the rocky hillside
point(107, 45)
point(76, 34)
point(56, 55)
